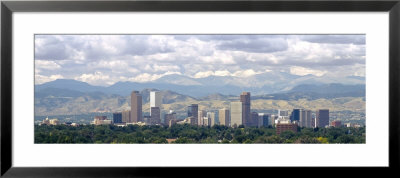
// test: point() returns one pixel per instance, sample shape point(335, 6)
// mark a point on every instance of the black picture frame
point(8, 7)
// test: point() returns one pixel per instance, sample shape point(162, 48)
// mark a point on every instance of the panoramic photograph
point(200, 89)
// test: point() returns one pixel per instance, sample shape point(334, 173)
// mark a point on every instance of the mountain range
point(69, 96)
point(259, 84)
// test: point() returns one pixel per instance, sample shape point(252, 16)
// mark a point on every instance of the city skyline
point(106, 59)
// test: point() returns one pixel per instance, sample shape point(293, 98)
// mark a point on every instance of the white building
point(283, 113)
point(155, 99)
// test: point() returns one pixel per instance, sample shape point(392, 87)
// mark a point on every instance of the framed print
point(114, 88)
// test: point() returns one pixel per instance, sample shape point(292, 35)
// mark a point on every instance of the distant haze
point(269, 63)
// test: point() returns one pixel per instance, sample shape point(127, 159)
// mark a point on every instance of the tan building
point(236, 114)
point(136, 107)
point(200, 116)
point(206, 121)
point(211, 116)
point(54, 122)
point(101, 120)
point(280, 127)
point(126, 116)
point(223, 115)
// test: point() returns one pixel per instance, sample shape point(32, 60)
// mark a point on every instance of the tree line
point(193, 134)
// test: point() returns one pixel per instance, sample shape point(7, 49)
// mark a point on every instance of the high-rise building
point(155, 99)
point(283, 113)
point(168, 117)
point(193, 110)
point(305, 118)
point(136, 107)
point(155, 115)
point(253, 119)
point(223, 116)
point(192, 120)
point(211, 116)
point(200, 116)
point(322, 118)
point(263, 120)
point(117, 117)
point(245, 99)
point(272, 120)
point(126, 116)
point(295, 116)
point(206, 121)
point(236, 114)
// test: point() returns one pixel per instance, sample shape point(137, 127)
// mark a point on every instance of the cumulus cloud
point(239, 73)
point(40, 79)
point(305, 71)
point(146, 77)
point(107, 59)
point(48, 65)
point(335, 39)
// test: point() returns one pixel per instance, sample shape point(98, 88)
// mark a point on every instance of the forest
point(193, 134)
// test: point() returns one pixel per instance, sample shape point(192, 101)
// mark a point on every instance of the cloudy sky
point(106, 59)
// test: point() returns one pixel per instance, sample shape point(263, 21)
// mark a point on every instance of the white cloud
point(305, 71)
point(49, 65)
point(240, 73)
point(146, 77)
point(148, 57)
point(203, 74)
point(97, 78)
point(245, 73)
point(39, 79)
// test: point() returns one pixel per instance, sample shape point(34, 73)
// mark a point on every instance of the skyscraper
point(136, 107)
point(322, 118)
point(155, 99)
point(254, 119)
point(295, 116)
point(236, 114)
point(211, 116)
point(193, 110)
point(126, 116)
point(171, 116)
point(155, 115)
point(117, 117)
point(245, 99)
point(264, 120)
point(200, 116)
point(305, 118)
point(223, 116)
